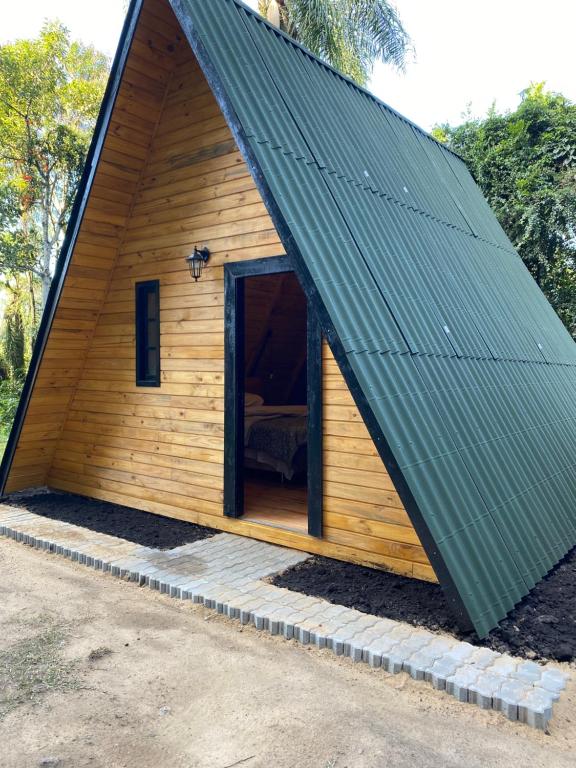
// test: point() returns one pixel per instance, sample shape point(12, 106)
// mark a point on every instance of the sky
point(468, 54)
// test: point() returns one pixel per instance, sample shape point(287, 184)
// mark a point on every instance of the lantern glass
point(196, 262)
point(196, 266)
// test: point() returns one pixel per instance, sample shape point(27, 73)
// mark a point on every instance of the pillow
point(251, 400)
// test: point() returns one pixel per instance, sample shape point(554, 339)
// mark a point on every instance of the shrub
point(9, 397)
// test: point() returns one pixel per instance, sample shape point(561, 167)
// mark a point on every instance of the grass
point(34, 666)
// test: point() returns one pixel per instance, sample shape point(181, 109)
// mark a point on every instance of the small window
point(148, 334)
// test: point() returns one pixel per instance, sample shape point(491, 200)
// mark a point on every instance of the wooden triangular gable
point(165, 174)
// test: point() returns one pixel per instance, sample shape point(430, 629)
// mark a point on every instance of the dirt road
point(99, 673)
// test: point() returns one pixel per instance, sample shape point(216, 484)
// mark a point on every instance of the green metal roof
point(463, 370)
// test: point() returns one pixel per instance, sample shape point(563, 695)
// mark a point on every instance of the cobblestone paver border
point(225, 574)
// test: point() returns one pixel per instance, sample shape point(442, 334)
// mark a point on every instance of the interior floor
point(269, 502)
point(275, 394)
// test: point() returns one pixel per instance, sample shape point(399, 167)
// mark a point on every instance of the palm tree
point(350, 34)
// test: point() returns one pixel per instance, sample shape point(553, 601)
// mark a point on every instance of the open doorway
point(273, 453)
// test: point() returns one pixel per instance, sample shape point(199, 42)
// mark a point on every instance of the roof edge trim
point(72, 230)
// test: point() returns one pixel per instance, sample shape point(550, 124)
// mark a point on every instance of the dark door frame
point(234, 276)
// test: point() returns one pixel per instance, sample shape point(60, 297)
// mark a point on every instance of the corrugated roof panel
point(318, 228)
point(467, 371)
point(485, 224)
point(483, 406)
point(464, 531)
point(439, 180)
point(345, 128)
point(396, 277)
point(424, 240)
point(421, 173)
point(264, 115)
point(424, 268)
point(393, 382)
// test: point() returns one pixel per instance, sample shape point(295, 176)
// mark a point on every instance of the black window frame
point(234, 363)
point(142, 290)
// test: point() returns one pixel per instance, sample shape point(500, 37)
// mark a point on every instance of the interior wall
point(171, 178)
point(275, 310)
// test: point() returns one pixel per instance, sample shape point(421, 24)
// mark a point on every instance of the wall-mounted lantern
point(197, 260)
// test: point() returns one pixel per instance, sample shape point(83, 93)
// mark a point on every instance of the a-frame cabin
point(363, 368)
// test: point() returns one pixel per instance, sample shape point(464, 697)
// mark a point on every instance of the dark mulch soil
point(542, 626)
point(142, 528)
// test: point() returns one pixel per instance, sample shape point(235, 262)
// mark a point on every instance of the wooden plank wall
point(166, 184)
point(138, 106)
point(362, 509)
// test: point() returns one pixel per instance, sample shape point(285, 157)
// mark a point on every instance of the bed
point(275, 437)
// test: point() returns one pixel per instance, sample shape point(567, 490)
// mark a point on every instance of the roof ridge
point(241, 4)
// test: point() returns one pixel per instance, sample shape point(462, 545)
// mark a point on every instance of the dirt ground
point(542, 626)
point(100, 673)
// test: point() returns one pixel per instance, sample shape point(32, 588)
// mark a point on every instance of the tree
point(525, 163)
point(14, 342)
point(50, 93)
point(350, 34)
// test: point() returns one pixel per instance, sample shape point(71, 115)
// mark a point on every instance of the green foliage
point(14, 343)
point(525, 163)
point(10, 390)
point(50, 92)
point(350, 34)
point(17, 251)
point(19, 245)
